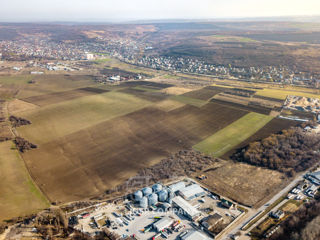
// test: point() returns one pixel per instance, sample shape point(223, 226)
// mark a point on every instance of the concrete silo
point(143, 203)
point(152, 199)
point(163, 195)
point(147, 191)
point(137, 196)
point(157, 187)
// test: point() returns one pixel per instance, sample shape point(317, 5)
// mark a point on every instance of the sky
point(118, 10)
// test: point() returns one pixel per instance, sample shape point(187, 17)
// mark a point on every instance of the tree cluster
point(23, 144)
point(290, 151)
point(18, 121)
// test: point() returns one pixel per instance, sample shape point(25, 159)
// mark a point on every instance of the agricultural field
point(56, 97)
point(57, 120)
point(19, 196)
point(169, 105)
point(106, 153)
point(93, 137)
point(188, 100)
point(203, 94)
point(234, 134)
point(282, 94)
point(274, 126)
point(176, 90)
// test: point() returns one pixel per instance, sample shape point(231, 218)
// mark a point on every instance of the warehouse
point(177, 186)
point(194, 235)
point(191, 192)
point(188, 210)
point(162, 224)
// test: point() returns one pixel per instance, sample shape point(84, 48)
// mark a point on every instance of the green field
point(19, 196)
point(16, 79)
point(282, 94)
point(232, 135)
point(187, 100)
point(57, 120)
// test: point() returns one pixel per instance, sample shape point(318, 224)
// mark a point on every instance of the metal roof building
point(191, 192)
point(195, 235)
point(188, 210)
point(162, 224)
point(177, 186)
point(314, 177)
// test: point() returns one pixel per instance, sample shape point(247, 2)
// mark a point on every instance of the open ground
point(19, 196)
point(243, 183)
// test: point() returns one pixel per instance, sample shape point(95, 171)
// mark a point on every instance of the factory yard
point(183, 210)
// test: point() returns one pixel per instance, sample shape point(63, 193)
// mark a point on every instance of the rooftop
point(191, 191)
point(194, 235)
point(163, 223)
point(185, 206)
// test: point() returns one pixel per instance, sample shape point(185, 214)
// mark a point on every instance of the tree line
point(292, 150)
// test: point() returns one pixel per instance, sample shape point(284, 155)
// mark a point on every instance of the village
point(142, 54)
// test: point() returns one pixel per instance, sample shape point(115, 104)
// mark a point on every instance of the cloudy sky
point(79, 10)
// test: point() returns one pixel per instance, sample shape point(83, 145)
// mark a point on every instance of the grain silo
point(152, 199)
point(137, 196)
point(163, 195)
point(143, 203)
point(147, 191)
point(157, 187)
point(171, 195)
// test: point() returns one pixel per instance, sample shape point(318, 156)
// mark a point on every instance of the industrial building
point(314, 178)
point(188, 210)
point(191, 192)
point(162, 224)
point(177, 186)
point(277, 214)
point(312, 190)
point(211, 221)
point(194, 235)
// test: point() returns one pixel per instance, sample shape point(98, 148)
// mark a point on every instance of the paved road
point(252, 212)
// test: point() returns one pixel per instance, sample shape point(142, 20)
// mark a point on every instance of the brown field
point(289, 207)
point(176, 90)
point(57, 120)
point(87, 162)
point(274, 126)
point(146, 84)
point(16, 106)
point(243, 183)
point(45, 84)
point(249, 108)
point(168, 105)
point(56, 97)
point(232, 98)
point(203, 94)
point(145, 95)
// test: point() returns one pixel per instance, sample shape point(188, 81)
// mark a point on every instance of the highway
point(253, 213)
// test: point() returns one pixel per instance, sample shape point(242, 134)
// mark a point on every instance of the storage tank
point(152, 199)
point(157, 187)
point(147, 191)
point(137, 196)
point(143, 203)
point(171, 195)
point(163, 195)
